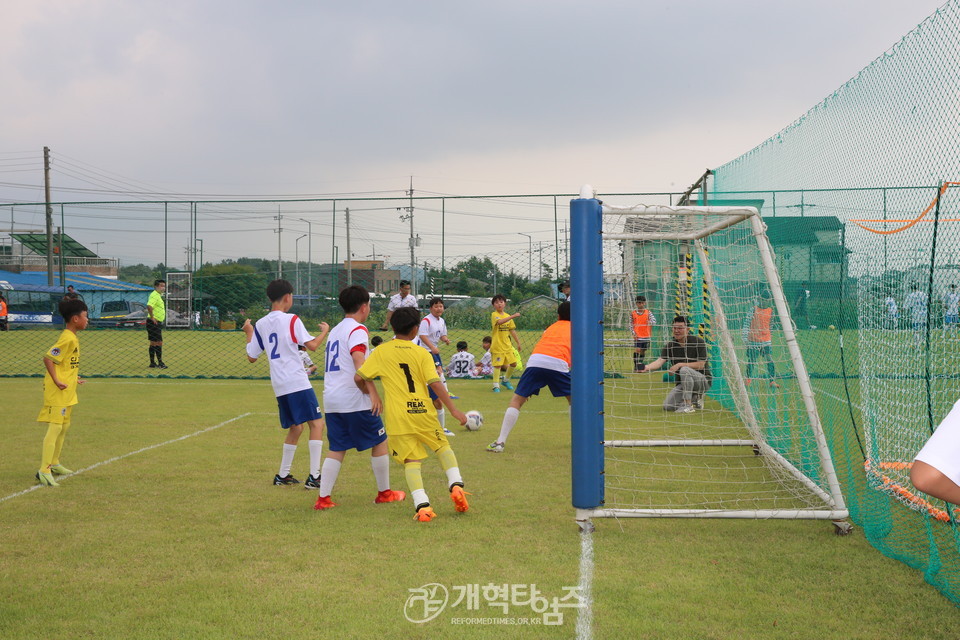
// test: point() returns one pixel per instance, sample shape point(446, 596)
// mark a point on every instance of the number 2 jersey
point(340, 392)
point(278, 334)
point(405, 369)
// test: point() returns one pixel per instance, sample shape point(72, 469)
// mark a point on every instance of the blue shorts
point(951, 318)
point(535, 378)
point(298, 407)
point(358, 430)
point(437, 361)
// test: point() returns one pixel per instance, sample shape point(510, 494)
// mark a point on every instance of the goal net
point(654, 444)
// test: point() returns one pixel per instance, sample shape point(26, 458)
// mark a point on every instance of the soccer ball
point(832, 328)
point(474, 420)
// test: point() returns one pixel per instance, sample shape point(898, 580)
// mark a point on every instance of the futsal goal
point(752, 446)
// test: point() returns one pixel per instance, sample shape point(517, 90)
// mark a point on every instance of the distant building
point(369, 274)
point(28, 252)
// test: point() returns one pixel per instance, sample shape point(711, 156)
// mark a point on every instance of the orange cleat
point(389, 495)
point(459, 497)
point(324, 502)
point(425, 514)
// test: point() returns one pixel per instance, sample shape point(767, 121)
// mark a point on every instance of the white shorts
point(942, 450)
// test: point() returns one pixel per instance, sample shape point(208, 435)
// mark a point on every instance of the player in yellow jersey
point(62, 364)
point(504, 358)
point(548, 366)
point(406, 370)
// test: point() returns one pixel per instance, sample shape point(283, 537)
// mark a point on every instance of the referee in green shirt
point(156, 314)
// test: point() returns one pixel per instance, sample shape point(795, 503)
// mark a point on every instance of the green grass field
point(171, 529)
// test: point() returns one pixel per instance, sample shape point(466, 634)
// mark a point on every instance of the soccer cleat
point(685, 408)
point(389, 495)
point(153, 365)
point(311, 482)
point(46, 479)
point(495, 447)
point(287, 479)
point(459, 497)
point(425, 514)
point(698, 403)
point(496, 389)
point(324, 502)
point(60, 470)
point(448, 432)
point(161, 366)
point(508, 385)
point(774, 385)
point(453, 397)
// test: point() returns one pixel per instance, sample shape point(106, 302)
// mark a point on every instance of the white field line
point(132, 453)
point(585, 612)
point(838, 399)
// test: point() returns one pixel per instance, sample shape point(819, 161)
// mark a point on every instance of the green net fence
point(217, 258)
point(864, 184)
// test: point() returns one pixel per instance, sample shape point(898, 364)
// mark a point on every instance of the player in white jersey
point(916, 304)
point(462, 363)
point(951, 309)
point(350, 422)
point(892, 317)
point(433, 331)
point(485, 366)
point(399, 300)
point(279, 334)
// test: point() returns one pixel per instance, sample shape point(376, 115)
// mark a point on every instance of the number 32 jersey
point(405, 369)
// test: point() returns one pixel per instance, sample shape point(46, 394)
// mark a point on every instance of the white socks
point(286, 460)
point(509, 421)
point(381, 471)
point(328, 476)
point(316, 455)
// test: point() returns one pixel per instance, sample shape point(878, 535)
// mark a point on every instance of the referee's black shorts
point(154, 331)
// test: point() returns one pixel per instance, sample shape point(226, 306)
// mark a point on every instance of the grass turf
point(190, 540)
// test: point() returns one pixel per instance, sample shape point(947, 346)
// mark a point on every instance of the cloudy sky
point(182, 99)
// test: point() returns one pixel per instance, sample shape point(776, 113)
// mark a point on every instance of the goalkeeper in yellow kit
point(62, 364)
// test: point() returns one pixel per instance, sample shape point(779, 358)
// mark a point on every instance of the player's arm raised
point(313, 344)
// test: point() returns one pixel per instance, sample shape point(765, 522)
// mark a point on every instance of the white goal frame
point(703, 222)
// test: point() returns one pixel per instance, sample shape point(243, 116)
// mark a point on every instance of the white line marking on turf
point(838, 399)
point(585, 613)
point(132, 453)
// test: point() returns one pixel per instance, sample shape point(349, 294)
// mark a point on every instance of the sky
point(179, 100)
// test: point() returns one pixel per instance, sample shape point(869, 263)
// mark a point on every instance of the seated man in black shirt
point(687, 355)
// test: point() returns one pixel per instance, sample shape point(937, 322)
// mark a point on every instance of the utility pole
point(309, 258)
point(414, 241)
point(349, 255)
point(529, 255)
point(46, 191)
point(279, 232)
